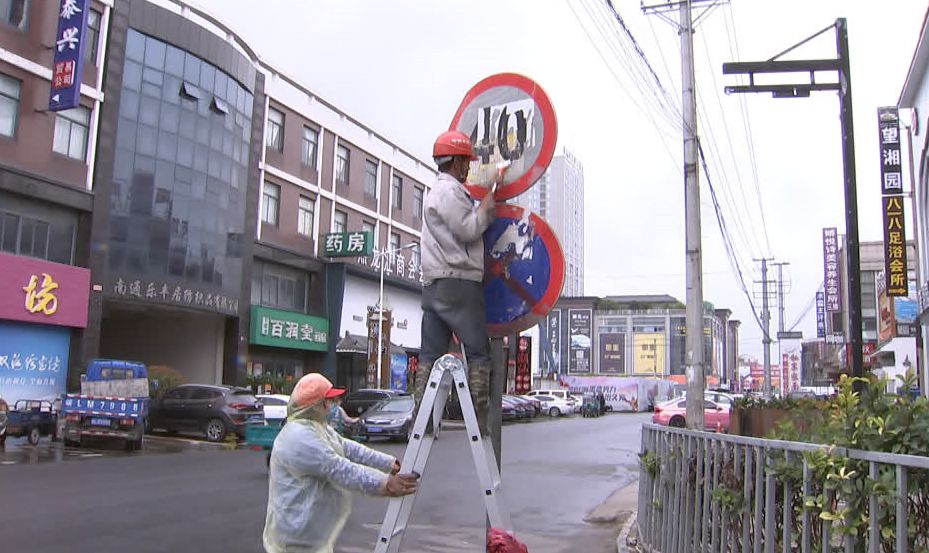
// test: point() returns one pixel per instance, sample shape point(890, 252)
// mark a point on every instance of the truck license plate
point(100, 422)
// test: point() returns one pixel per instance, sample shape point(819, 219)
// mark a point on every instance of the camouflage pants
point(478, 383)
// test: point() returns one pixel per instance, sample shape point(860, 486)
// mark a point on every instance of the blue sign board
point(33, 361)
point(65, 90)
point(398, 372)
point(905, 310)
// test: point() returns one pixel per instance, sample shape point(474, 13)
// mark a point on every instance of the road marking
point(7, 462)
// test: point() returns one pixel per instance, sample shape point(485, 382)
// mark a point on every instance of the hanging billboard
point(580, 327)
point(648, 353)
point(612, 353)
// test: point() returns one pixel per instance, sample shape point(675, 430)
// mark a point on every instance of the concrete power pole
point(694, 358)
point(780, 296)
point(766, 324)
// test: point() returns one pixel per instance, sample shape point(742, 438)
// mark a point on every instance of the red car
point(674, 413)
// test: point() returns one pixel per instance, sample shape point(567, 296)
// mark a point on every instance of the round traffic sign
point(523, 270)
point(509, 119)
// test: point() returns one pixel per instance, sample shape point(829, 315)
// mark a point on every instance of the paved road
point(173, 499)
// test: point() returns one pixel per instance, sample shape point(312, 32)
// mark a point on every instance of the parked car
point(203, 408)
point(4, 414)
point(723, 398)
point(674, 413)
point(509, 409)
point(391, 418)
point(32, 418)
point(275, 407)
point(526, 406)
point(556, 406)
point(359, 401)
point(536, 404)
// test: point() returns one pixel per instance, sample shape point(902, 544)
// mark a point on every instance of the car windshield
point(243, 396)
point(397, 405)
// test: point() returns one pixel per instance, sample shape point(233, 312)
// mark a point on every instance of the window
point(279, 286)
point(270, 203)
point(394, 241)
point(13, 12)
point(22, 235)
point(71, 128)
point(341, 165)
point(275, 130)
point(370, 178)
point(396, 192)
point(414, 255)
point(92, 36)
point(9, 104)
point(340, 223)
point(367, 226)
point(310, 142)
point(305, 211)
point(418, 202)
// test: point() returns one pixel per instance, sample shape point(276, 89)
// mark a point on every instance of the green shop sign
point(348, 244)
point(284, 329)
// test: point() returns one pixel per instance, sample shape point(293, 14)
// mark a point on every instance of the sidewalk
point(619, 508)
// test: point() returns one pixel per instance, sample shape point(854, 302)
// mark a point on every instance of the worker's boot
point(419, 390)
point(479, 383)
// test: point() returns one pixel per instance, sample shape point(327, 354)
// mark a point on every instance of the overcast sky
point(402, 67)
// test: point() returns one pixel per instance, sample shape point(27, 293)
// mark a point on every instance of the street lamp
point(380, 305)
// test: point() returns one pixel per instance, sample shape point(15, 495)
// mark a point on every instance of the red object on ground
point(499, 541)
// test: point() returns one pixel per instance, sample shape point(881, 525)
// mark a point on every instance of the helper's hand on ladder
point(398, 485)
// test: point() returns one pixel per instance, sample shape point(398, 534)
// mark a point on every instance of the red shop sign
point(38, 291)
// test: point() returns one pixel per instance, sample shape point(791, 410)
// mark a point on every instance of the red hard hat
point(453, 143)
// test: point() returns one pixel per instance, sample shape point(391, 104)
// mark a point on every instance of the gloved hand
point(398, 485)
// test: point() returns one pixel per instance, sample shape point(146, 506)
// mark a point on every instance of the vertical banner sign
point(553, 331)
point(889, 128)
point(612, 353)
point(820, 315)
point(886, 320)
point(67, 62)
point(522, 381)
point(579, 326)
point(831, 269)
point(894, 246)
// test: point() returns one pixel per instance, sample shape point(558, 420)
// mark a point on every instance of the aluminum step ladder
point(448, 373)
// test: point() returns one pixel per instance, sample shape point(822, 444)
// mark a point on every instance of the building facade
point(192, 191)
point(558, 197)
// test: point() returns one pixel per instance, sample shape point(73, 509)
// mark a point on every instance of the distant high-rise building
point(558, 197)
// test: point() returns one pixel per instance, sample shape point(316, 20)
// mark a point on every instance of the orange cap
point(312, 388)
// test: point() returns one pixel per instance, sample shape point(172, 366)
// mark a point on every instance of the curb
point(188, 443)
point(624, 542)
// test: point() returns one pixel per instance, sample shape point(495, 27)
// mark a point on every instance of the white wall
point(191, 344)
point(903, 348)
point(361, 293)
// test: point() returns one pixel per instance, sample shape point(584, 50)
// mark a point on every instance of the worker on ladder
point(453, 270)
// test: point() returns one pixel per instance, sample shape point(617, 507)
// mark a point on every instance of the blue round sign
point(523, 270)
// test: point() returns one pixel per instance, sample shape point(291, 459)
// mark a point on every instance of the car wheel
point(677, 422)
point(554, 412)
point(215, 430)
point(71, 443)
point(34, 435)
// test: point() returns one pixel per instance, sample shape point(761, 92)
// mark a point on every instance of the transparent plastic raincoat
point(312, 476)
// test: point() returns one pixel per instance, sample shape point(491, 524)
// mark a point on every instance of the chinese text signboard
point(33, 361)
point(831, 270)
point(820, 315)
point(65, 90)
point(894, 246)
point(172, 293)
point(648, 356)
point(612, 353)
point(889, 130)
point(522, 380)
point(37, 291)
point(553, 334)
point(348, 244)
point(395, 264)
point(580, 328)
point(284, 329)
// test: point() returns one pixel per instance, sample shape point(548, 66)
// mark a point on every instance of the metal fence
point(700, 491)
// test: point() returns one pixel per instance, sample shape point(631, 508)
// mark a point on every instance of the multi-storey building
point(189, 195)
point(558, 197)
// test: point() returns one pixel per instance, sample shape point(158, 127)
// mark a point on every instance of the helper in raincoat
point(314, 471)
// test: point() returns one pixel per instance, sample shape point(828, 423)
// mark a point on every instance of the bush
point(279, 384)
point(162, 378)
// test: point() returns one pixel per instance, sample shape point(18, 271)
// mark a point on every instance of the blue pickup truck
point(113, 403)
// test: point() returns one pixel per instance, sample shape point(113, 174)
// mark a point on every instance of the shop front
point(41, 304)
point(283, 346)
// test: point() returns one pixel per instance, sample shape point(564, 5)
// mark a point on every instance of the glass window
point(9, 104)
point(13, 12)
point(29, 236)
point(396, 192)
point(310, 142)
point(367, 226)
point(370, 178)
point(92, 36)
point(275, 130)
point(340, 222)
point(71, 128)
point(270, 203)
point(9, 232)
point(414, 255)
point(305, 211)
point(394, 241)
point(418, 202)
point(342, 165)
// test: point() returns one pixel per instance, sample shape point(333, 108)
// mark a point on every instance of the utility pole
point(840, 65)
point(780, 295)
point(694, 359)
point(766, 326)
